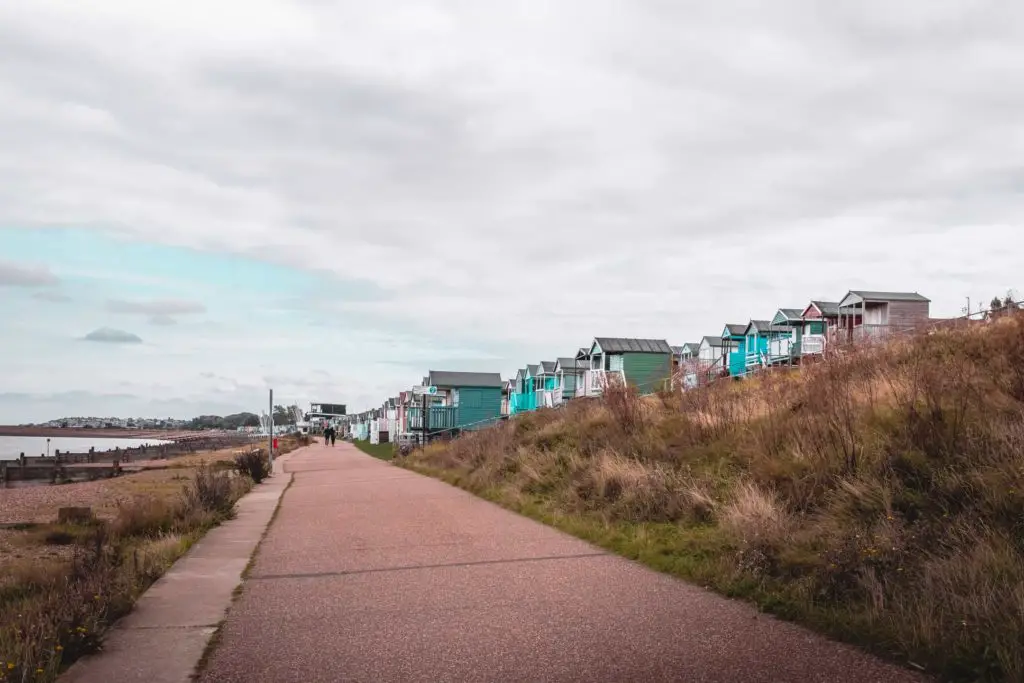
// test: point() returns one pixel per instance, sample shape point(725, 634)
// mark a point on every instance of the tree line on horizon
point(282, 416)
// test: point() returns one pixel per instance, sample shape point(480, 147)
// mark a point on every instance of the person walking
point(327, 435)
point(334, 434)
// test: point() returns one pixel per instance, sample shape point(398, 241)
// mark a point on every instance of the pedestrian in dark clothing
point(334, 434)
point(327, 435)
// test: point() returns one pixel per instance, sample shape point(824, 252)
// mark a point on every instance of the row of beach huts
point(448, 402)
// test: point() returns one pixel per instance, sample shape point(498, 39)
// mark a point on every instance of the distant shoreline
point(107, 433)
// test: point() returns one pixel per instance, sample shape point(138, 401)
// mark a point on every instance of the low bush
point(211, 491)
point(253, 464)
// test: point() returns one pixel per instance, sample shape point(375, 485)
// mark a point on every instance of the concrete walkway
point(373, 573)
point(163, 638)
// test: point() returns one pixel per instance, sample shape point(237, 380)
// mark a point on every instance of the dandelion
point(40, 671)
point(59, 648)
point(10, 666)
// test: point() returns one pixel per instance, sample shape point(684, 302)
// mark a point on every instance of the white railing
point(780, 347)
point(812, 344)
point(596, 381)
point(695, 372)
point(545, 398)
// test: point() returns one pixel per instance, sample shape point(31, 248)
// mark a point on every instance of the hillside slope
point(877, 496)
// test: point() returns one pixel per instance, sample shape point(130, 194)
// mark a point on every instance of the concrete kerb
point(166, 634)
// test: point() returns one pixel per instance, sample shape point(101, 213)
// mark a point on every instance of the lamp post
point(47, 447)
point(270, 436)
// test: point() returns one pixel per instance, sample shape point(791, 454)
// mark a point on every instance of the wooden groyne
point(64, 467)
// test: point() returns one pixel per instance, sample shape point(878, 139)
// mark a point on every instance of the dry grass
point(877, 495)
point(62, 586)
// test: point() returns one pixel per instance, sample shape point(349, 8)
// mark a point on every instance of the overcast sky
point(199, 200)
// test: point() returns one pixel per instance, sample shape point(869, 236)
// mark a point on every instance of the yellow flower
point(10, 666)
point(59, 648)
point(40, 671)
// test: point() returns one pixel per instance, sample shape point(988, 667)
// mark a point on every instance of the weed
point(210, 491)
point(253, 464)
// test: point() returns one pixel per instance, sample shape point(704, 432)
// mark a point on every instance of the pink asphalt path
point(373, 573)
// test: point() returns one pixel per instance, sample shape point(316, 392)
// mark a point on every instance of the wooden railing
point(866, 334)
point(522, 403)
point(441, 417)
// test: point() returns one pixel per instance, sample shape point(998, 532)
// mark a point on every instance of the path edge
point(184, 649)
point(214, 640)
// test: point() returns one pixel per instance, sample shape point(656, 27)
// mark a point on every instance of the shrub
point(253, 464)
point(210, 491)
point(624, 403)
point(146, 516)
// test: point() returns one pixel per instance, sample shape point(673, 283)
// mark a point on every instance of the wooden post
point(3, 474)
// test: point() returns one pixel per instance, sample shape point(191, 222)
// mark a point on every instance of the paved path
point(374, 573)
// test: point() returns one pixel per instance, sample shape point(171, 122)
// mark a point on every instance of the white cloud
point(524, 178)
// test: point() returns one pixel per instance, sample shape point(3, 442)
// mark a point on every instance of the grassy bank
point(877, 496)
point(384, 451)
point(63, 585)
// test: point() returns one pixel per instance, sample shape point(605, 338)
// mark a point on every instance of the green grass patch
point(383, 451)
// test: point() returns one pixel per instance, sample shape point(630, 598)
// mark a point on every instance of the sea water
point(12, 446)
